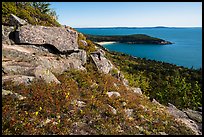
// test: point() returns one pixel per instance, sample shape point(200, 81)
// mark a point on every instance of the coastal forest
point(82, 99)
point(130, 39)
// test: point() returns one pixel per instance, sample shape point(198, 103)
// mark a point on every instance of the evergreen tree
point(42, 6)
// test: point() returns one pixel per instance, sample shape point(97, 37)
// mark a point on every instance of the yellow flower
point(92, 97)
point(67, 95)
point(131, 118)
point(26, 112)
point(81, 111)
point(40, 108)
point(36, 113)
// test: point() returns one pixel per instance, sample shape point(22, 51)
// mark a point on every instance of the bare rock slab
point(18, 79)
point(46, 75)
point(194, 115)
point(59, 37)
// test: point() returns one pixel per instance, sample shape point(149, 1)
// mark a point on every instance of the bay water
point(186, 50)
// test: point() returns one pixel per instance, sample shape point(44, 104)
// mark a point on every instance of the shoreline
point(105, 43)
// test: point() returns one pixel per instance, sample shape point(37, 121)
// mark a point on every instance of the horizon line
point(141, 27)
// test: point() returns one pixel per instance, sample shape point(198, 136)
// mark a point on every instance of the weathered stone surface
point(59, 37)
point(200, 109)
point(112, 109)
point(58, 66)
point(137, 90)
point(190, 124)
point(194, 115)
point(158, 104)
point(110, 94)
point(17, 55)
point(176, 112)
point(18, 70)
point(45, 74)
point(18, 48)
point(6, 30)
point(81, 55)
point(121, 77)
point(16, 21)
point(79, 128)
point(101, 52)
point(20, 60)
point(18, 79)
point(102, 64)
point(180, 116)
point(15, 95)
point(125, 82)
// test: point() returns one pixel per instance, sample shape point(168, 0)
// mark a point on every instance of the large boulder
point(103, 65)
point(59, 37)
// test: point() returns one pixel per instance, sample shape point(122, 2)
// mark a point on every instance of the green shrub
point(27, 12)
point(7, 9)
point(163, 81)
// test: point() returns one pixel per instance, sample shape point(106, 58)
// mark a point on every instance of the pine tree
point(42, 6)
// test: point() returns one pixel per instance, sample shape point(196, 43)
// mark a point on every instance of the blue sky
point(129, 14)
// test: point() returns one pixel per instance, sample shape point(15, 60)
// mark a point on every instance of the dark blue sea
point(186, 50)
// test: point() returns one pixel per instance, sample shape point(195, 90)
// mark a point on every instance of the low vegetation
point(165, 82)
point(56, 105)
point(90, 47)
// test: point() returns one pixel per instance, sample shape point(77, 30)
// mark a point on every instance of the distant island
point(130, 39)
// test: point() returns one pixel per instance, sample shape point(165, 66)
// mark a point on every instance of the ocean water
point(186, 50)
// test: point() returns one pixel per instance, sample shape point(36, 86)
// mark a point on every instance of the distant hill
point(130, 39)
